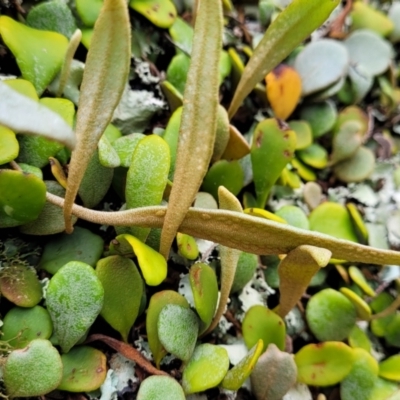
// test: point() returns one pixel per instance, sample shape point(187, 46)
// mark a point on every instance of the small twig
point(336, 28)
point(127, 351)
point(15, 166)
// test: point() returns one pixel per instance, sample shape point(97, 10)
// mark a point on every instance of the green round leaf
point(88, 10)
point(303, 133)
point(392, 334)
point(33, 371)
point(39, 54)
point(332, 219)
point(369, 50)
point(357, 168)
point(324, 364)
point(160, 388)
point(330, 315)
point(359, 383)
point(321, 64)
point(22, 325)
point(157, 302)
point(54, 16)
point(20, 285)
point(160, 13)
point(294, 216)
point(262, 323)
point(74, 300)
point(22, 196)
point(123, 290)
point(178, 328)
point(203, 282)
point(246, 266)
point(206, 368)
point(224, 173)
point(8, 144)
point(81, 245)
point(84, 369)
point(320, 116)
point(389, 369)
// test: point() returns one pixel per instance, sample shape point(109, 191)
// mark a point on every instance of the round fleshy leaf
point(222, 134)
point(203, 282)
point(259, 212)
point(369, 50)
point(125, 146)
point(324, 364)
point(357, 168)
point(394, 15)
point(294, 216)
point(224, 173)
point(245, 269)
point(95, 182)
point(303, 133)
point(273, 147)
point(359, 339)
point(177, 71)
point(8, 144)
point(352, 113)
point(378, 304)
point(283, 90)
point(84, 369)
point(81, 245)
point(274, 374)
point(42, 358)
point(392, 334)
point(52, 16)
point(22, 325)
point(182, 34)
point(108, 156)
point(123, 290)
point(152, 264)
point(332, 219)
point(88, 10)
point(346, 141)
point(74, 300)
point(312, 195)
point(321, 64)
point(389, 369)
point(51, 218)
point(362, 308)
point(358, 277)
point(384, 390)
point(315, 155)
point(22, 196)
point(39, 54)
point(320, 116)
point(178, 328)
point(147, 177)
point(330, 315)
point(361, 82)
point(160, 13)
point(187, 246)
point(236, 376)
point(36, 150)
point(160, 388)
point(20, 285)
point(157, 302)
point(364, 16)
point(303, 171)
point(173, 95)
point(262, 323)
point(359, 383)
point(205, 369)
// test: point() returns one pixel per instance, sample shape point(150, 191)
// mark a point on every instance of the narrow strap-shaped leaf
point(37, 120)
point(295, 273)
point(253, 235)
point(199, 118)
point(104, 79)
point(289, 29)
point(229, 257)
